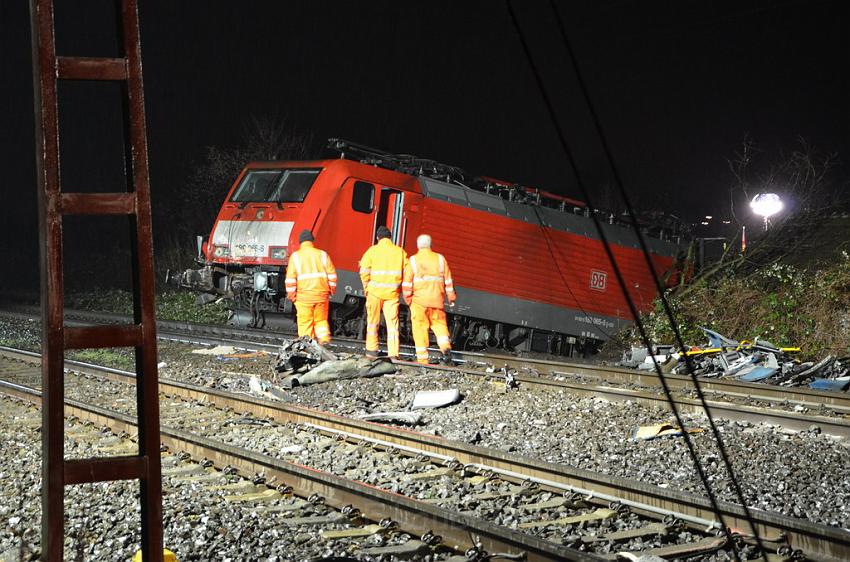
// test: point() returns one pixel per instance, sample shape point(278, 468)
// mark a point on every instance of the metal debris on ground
point(435, 398)
point(409, 418)
point(299, 356)
point(303, 362)
point(423, 399)
point(648, 432)
point(751, 361)
point(352, 368)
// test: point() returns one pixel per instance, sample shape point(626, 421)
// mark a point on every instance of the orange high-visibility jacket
point(382, 268)
point(310, 275)
point(428, 280)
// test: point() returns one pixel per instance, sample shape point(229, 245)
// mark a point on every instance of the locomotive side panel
point(511, 266)
point(345, 233)
point(505, 272)
point(364, 198)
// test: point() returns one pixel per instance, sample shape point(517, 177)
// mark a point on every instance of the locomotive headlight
point(278, 253)
point(221, 251)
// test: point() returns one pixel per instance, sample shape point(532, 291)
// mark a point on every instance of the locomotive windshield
point(276, 186)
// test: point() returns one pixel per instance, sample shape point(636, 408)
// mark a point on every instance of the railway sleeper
point(696, 548)
point(595, 515)
point(652, 529)
point(316, 520)
point(410, 548)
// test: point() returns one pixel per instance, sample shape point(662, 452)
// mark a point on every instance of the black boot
point(446, 359)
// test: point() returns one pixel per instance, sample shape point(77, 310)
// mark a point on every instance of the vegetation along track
point(468, 483)
point(793, 408)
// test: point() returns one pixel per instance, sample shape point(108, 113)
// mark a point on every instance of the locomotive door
point(390, 213)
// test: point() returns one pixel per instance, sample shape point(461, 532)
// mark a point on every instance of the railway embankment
point(791, 306)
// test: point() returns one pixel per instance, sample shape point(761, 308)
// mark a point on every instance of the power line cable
point(668, 311)
point(618, 274)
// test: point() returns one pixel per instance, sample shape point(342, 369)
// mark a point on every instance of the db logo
point(598, 280)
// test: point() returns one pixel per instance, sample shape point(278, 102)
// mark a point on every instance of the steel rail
point(265, 340)
point(374, 503)
point(819, 542)
point(831, 425)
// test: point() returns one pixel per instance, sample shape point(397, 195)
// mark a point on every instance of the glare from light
point(708, 217)
point(766, 204)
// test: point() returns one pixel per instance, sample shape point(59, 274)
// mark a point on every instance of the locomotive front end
point(245, 256)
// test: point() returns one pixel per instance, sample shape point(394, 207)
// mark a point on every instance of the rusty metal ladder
point(56, 338)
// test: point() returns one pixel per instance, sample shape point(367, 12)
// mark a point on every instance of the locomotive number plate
point(249, 250)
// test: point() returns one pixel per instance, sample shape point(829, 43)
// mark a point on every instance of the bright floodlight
point(766, 204)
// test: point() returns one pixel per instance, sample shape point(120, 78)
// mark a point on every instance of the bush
point(170, 305)
point(780, 303)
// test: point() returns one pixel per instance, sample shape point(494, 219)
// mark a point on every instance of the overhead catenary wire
point(618, 274)
point(668, 311)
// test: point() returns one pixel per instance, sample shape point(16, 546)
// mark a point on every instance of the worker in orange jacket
point(310, 280)
point(381, 270)
point(427, 284)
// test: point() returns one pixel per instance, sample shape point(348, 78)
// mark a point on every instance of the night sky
point(677, 86)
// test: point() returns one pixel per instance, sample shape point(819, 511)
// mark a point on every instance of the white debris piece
point(435, 398)
point(260, 387)
point(659, 358)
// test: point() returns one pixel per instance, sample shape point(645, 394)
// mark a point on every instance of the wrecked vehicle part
point(716, 340)
point(338, 370)
point(811, 371)
point(756, 361)
point(435, 398)
point(299, 354)
point(409, 418)
point(758, 374)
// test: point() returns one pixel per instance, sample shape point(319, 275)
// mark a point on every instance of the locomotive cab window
point(363, 197)
point(276, 186)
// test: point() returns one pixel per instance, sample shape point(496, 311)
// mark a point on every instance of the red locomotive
point(529, 268)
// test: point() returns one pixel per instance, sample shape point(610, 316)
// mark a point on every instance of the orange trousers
point(374, 306)
point(313, 320)
point(424, 318)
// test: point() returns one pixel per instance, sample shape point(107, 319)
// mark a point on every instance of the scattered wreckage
point(302, 362)
point(750, 361)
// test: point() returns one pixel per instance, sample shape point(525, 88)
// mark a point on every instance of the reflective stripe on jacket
point(382, 268)
point(428, 280)
point(310, 275)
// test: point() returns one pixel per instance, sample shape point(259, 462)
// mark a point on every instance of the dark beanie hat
point(305, 236)
point(384, 232)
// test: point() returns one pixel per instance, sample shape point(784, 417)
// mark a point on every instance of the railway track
point(560, 496)
point(789, 407)
point(345, 528)
point(360, 510)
